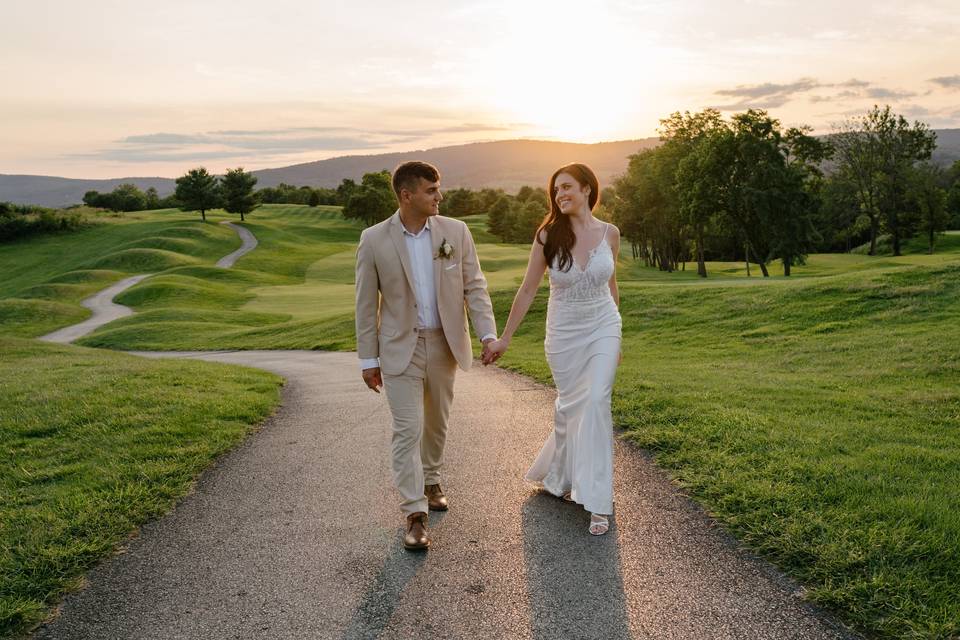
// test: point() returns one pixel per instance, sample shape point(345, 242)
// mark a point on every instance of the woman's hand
point(493, 350)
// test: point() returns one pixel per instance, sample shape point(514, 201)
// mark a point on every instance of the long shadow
point(574, 583)
point(381, 598)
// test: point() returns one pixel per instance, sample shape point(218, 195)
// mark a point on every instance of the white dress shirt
point(420, 251)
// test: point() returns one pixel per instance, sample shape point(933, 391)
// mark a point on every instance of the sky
point(104, 88)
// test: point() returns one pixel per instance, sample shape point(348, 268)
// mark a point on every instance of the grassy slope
point(95, 443)
point(816, 416)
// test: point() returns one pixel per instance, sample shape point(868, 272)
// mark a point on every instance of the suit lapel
point(396, 234)
point(436, 237)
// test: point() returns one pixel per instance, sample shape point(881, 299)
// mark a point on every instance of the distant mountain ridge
point(505, 164)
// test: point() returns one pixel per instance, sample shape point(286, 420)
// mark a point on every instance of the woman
point(582, 341)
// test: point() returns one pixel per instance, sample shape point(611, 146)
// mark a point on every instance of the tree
point(373, 200)
point(498, 218)
point(458, 203)
point(698, 173)
point(197, 190)
point(153, 199)
point(876, 153)
point(127, 197)
point(314, 198)
point(344, 190)
point(928, 200)
point(238, 195)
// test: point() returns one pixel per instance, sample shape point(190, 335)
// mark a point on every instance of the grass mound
point(181, 291)
point(87, 276)
point(36, 317)
point(142, 260)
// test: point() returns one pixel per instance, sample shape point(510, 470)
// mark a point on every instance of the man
point(417, 271)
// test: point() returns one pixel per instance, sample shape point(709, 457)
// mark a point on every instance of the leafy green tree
point(458, 203)
point(928, 200)
point(314, 198)
point(344, 190)
point(527, 217)
point(128, 197)
point(499, 219)
point(153, 198)
point(876, 153)
point(197, 190)
point(238, 194)
point(698, 174)
point(372, 200)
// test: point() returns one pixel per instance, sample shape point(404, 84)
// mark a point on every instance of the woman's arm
point(536, 266)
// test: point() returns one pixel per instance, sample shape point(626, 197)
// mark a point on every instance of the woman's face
point(569, 195)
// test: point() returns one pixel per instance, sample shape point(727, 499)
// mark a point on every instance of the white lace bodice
point(587, 284)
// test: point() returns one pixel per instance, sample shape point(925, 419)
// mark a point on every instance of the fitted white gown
point(582, 346)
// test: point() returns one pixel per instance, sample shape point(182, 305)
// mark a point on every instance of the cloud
point(888, 94)
point(165, 138)
point(241, 143)
point(947, 82)
point(766, 95)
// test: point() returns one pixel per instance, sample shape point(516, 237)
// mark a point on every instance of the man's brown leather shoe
point(416, 537)
point(435, 498)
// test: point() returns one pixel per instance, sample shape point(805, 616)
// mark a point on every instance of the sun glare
point(562, 77)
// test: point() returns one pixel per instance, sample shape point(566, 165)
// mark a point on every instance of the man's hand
point(492, 350)
point(373, 379)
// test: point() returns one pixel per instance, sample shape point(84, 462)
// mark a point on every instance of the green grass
point(817, 416)
point(96, 443)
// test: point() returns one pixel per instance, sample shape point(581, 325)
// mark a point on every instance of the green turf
point(95, 443)
point(815, 416)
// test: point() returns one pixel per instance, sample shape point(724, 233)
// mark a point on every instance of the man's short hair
point(407, 175)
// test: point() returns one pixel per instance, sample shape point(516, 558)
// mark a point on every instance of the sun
point(558, 77)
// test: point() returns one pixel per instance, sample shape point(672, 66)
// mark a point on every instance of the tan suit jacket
point(386, 305)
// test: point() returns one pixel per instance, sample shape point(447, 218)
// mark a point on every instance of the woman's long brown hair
point(556, 226)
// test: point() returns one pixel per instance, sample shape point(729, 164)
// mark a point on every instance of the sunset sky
point(102, 88)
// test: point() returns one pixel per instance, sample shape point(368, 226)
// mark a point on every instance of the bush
point(19, 221)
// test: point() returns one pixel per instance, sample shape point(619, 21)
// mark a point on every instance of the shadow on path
point(585, 602)
point(383, 595)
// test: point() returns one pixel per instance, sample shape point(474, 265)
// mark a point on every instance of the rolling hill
point(507, 164)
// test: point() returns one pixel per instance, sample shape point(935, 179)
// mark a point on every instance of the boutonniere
point(444, 251)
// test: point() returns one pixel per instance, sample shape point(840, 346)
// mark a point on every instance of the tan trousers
point(420, 400)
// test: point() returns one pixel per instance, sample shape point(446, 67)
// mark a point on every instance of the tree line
point(198, 190)
point(745, 188)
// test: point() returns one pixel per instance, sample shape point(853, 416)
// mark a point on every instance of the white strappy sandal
point(599, 524)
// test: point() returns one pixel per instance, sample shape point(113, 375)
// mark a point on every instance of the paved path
point(296, 534)
point(249, 243)
point(105, 310)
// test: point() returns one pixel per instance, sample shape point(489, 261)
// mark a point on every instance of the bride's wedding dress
point(582, 346)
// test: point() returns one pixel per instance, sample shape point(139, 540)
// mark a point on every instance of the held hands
point(373, 379)
point(493, 349)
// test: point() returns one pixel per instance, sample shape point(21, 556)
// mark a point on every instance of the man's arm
point(367, 307)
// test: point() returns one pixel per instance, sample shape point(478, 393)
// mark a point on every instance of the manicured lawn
point(96, 443)
point(817, 416)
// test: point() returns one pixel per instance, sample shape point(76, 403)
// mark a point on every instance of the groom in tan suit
point(417, 276)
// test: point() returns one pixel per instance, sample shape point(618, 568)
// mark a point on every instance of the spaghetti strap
point(606, 225)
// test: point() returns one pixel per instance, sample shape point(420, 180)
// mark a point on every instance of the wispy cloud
point(238, 143)
point(947, 82)
point(766, 95)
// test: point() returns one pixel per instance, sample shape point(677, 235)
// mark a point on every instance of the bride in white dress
point(582, 341)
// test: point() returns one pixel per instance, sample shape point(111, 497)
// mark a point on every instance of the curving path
point(296, 534)
point(105, 310)
point(249, 243)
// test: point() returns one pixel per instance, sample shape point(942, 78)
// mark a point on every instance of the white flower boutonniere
point(444, 251)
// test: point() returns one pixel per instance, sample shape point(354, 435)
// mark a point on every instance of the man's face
point(425, 200)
